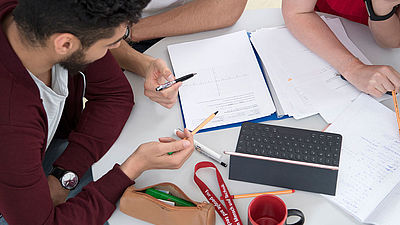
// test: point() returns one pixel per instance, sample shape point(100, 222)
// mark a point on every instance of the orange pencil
point(396, 108)
point(200, 126)
point(204, 123)
point(258, 194)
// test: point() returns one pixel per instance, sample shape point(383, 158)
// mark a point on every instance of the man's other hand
point(155, 155)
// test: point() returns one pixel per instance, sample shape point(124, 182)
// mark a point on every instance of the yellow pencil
point(258, 194)
point(204, 123)
point(396, 108)
point(200, 126)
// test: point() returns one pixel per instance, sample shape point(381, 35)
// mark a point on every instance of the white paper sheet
point(337, 28)
point(228, 80)
point(387, 213)
point(369, 166)
point(305, 84)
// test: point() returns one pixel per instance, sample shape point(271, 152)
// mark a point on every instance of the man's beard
point(75, 62)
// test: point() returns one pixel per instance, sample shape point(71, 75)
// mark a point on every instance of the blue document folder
point(273, 116)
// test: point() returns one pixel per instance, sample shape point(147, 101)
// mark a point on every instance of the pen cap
point(208, 150)
point(203, 148)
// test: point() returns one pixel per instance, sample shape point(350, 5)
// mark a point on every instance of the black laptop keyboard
point(290, 143)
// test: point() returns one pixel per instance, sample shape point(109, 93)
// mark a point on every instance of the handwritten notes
point(370, 159)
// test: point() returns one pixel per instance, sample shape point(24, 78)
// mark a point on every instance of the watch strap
point(57, 172)
point(373, 16)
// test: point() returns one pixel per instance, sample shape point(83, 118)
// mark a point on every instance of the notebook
point(230, 79)
point(369, 177)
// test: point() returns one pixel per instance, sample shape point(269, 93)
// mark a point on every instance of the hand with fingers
point(154, 155)
point(374, 79)
point(158, 73)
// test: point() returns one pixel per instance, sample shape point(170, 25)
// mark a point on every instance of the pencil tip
point(216, 112)
point(293, 191)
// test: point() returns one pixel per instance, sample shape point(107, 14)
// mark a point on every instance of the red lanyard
point(230, 215)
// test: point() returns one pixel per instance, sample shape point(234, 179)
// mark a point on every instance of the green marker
point(161, 195)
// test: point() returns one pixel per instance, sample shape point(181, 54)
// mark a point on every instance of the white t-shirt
point(53, 99)
point(160, 6)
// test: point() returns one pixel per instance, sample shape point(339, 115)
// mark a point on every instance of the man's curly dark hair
point(88, 20)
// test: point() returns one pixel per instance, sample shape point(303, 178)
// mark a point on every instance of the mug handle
point(298, 213)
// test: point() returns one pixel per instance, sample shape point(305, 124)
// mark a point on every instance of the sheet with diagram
point(228, 80)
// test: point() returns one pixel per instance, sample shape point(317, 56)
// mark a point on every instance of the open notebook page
point(228, 80)
point(369, 166)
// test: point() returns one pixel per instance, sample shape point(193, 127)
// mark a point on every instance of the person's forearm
point(131, 60)
point(387, 32)
point(195, 16)
point(312, 31)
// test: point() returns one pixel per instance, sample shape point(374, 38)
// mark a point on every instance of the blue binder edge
point(273, 116)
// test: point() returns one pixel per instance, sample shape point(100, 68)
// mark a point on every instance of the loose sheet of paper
point(228, 80)
point(304, 83)
point(337, 28)
point(369, 166)
point(387, 212)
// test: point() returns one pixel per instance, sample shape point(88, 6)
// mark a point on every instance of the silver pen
point(170, 83)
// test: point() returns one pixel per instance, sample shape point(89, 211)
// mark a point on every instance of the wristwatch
point(373, 16)
point(68, 179)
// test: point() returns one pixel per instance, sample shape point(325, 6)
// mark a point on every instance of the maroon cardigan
point(24, 191)
point(354, 10)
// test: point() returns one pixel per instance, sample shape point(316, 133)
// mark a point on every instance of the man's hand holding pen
point(157, 74)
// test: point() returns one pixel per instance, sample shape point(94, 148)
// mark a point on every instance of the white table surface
point(149, 120)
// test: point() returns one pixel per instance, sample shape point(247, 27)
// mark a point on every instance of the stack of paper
point(369, 172)
point(229, 78)
point(304, 84)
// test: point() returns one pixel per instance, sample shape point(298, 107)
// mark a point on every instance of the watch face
point(69, 180)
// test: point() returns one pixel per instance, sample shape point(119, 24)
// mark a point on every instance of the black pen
point(170, 83)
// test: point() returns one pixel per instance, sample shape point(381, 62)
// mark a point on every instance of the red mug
point(271, 210)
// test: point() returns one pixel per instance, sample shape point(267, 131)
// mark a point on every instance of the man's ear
point(65, 43)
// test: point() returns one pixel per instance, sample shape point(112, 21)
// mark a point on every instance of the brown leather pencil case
point(134, 202)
